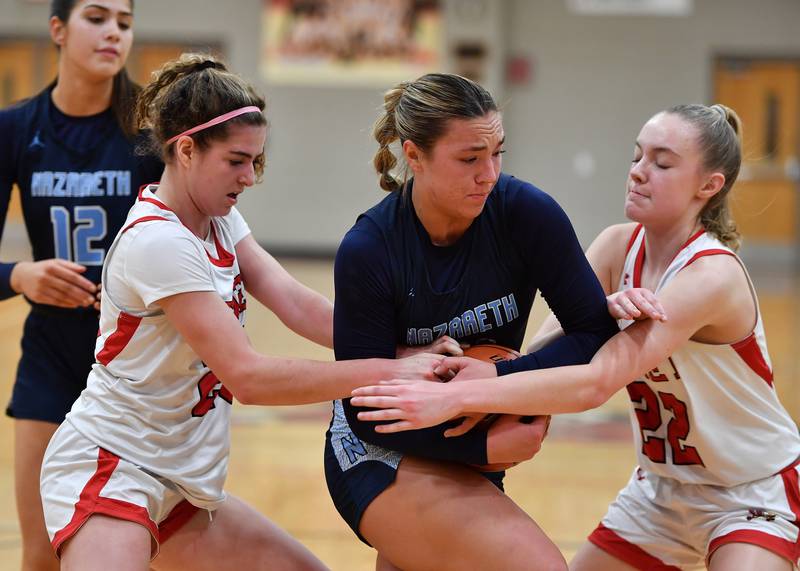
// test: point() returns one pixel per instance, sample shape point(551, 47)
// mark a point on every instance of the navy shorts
point(357, 472)
point(57, 355)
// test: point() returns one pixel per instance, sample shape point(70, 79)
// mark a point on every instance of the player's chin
point(105, 69)
point(474, 210)
point(219, 210)
point(634, 212)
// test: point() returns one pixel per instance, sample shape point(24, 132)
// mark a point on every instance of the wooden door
point(146, 59)
point(17, 81)
point(766, 95)
point(17, 67)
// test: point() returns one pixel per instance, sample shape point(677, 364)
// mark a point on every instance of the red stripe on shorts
point(787, 549)
point(177, 518)
point(773, 543)
point(791, 484)
point(90, 503)
point(626, 551)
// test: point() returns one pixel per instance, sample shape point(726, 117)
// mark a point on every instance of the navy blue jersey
point(78, 177)
point(394, 287)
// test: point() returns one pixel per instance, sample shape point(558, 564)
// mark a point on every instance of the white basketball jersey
point(708, 414)
point(149, 398)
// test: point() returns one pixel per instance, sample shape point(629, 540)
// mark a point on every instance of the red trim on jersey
point(750, 353)
point(177, 518)
point(90, 503)
point(117, 341)
point(778, 545)
point(142, 219)
point(691, 239)
point(145, 185)
point(155, 201)
point(637, 268)
point(225, 258)
point(633, 238)
point(626, 551)
point(711, 252)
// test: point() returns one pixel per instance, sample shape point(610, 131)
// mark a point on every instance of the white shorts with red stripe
point(660, 524)
point(79, 479)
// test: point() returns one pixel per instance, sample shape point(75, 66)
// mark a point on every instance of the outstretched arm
point(211, 329)
point(723, 311)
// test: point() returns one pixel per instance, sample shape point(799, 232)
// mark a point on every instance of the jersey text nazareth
point(479, 319)
point(80, 184)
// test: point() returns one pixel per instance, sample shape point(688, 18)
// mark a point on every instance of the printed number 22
point(90, 225)
point(649, 418)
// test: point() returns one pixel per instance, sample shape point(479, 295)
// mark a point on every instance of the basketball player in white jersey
point(142, 456)
point(717, 481)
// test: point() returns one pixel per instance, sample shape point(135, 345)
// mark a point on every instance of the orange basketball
point(491, 353)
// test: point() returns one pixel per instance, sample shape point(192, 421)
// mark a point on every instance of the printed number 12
point(90, 225)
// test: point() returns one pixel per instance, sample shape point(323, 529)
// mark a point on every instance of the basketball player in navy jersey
point(459, 250)
point(70, 151)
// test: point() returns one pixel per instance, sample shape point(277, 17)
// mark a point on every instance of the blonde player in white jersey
point(143, 454)
point(717, 482)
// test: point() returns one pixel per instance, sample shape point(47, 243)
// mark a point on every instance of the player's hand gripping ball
point(491, 354)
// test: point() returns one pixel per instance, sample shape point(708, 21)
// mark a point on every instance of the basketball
point(491, 353)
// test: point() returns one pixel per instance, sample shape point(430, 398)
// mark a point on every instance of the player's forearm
point(279, 381)
point(311, 315)
point(546, 391)
point(625, 357)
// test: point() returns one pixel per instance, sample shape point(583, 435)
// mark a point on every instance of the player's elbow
point(245, 394)
point(592, 397)
point(595, 392)
point(241, 380)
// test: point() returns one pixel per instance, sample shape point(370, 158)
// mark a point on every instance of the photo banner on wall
point(350, 42)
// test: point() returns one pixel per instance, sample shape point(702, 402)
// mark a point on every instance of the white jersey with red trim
point(708, 414)
point(150, 399)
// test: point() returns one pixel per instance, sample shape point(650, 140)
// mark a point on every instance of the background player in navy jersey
point(461, 249)
point(69, 149)
point(717, 481)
